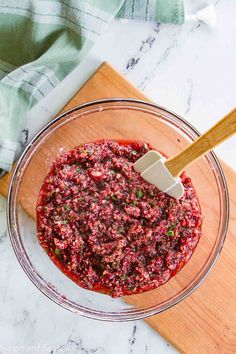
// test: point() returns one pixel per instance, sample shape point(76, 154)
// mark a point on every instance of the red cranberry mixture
point(108, 229)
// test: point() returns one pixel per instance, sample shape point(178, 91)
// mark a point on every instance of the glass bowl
point(124, 119)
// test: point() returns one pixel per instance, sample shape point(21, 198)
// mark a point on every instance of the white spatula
point(155, 169)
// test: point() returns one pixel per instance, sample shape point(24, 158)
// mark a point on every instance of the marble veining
point(76, 345)
point(3, 236)
point(189, 97)
point(145, 46)
point(132, 339)
point(191, 70)
point(24, 138)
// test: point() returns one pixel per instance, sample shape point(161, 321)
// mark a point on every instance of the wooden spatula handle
point(214, 136)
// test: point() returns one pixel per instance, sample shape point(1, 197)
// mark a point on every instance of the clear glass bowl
point(114, 119)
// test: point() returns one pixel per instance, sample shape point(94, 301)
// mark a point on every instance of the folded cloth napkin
point(41, 41)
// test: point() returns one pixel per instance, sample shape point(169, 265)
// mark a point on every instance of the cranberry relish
point(108, 229)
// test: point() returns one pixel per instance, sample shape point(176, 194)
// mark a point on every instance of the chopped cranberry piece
point(97, 175)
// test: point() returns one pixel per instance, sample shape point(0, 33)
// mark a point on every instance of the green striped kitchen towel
point(41, 41)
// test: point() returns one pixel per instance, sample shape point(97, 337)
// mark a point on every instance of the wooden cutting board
point(206, 321)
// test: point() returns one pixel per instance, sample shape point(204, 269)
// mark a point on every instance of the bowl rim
point(136, 313)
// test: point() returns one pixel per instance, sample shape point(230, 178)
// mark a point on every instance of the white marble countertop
point(191, 70)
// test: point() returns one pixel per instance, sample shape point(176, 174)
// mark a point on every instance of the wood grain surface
point(206, 321)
